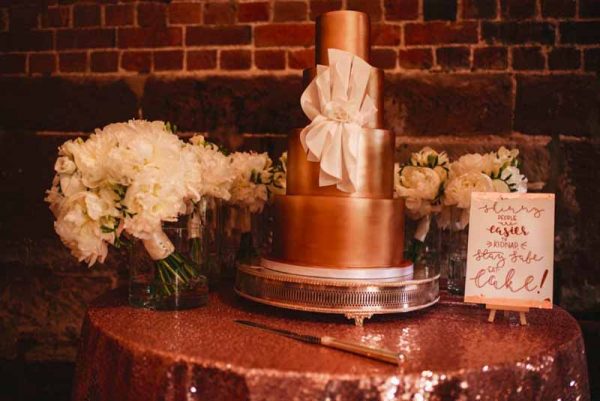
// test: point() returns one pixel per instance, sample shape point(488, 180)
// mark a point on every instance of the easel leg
point(492, 315)
point(522, 319)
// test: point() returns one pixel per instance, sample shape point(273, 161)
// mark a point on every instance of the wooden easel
point(521, 309)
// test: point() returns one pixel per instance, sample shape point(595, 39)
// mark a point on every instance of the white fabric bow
point(338, 106)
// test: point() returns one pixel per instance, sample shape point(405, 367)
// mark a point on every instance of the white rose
point(459, 188)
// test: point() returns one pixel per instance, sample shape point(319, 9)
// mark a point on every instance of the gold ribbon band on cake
point(337, 104)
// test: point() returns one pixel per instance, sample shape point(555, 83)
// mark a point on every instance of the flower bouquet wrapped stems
point(129, 180)
point(177, 282)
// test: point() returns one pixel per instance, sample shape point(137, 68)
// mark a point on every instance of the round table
point(449, 352)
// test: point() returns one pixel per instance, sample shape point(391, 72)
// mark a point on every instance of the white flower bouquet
point(432, 185)
point(125, 180)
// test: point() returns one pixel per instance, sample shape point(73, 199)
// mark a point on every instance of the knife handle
point(373, 353)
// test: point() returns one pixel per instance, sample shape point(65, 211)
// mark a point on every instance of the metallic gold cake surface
point(374, 90)
point(375, 166)
point(344, 30)
point(338, 232)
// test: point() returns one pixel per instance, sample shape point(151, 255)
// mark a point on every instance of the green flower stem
point(172, 272)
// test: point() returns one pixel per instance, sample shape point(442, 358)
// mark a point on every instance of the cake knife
point(379, 354)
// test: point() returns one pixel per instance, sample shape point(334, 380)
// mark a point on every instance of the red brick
point(479, 9)
point(528, 58)
point(118, 14)
point(72, 62)
point(104, 61)
point(401, 9)
point(201, 59)
point(42, 63)
point(56, 17)
point(269, 59)
point(517, 9)
point(453, 58)
point(558, 8)
point(415, 59)
point(149, 37)
point(26, 40)
point(585, 32)
point(440, 33)
point(185, 13)
point(384, 58)
point(439, 10)
point(252, 12)
point(219, 13)
point(12, 63)
point(490, 58)
point(592, 60)
point(235, 60)
point(564, 58)
point(385, 35)
point(284, 35)
point(23, 17)
point(589, 8)
point(85, 38)
point(373, 8)
point(301, 59)
point(318, 7)
point(290, 11)
point(86, 15)
point(3, 20)
point(226, 35)
point(168, 60)
point(518, 32)
point(151, 14)
point(140, 61)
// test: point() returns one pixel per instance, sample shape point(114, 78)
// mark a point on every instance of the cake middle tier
point(375, 168)
point(336, 232)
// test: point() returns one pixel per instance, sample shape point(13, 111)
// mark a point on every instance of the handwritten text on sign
point(511, 250)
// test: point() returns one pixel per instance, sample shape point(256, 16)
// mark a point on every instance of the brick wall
point(264, 37)
point(461, 75)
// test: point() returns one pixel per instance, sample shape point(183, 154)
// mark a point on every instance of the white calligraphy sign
point(511, 250)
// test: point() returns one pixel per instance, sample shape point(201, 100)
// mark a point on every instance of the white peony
point(419, 182)
point(469, 163)
point(279, 182)
point(459, 188)
point(215, 175)
point(80, 221)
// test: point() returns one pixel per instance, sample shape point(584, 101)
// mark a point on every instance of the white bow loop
point(339, 108)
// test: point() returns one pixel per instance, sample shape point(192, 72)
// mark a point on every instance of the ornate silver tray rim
point(367, 297)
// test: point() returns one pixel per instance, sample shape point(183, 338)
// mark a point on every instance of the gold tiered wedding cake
point(338, 235)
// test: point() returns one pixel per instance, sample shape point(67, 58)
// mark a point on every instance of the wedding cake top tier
point(343, 30)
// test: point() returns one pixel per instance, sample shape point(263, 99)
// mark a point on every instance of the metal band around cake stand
point(356, 299)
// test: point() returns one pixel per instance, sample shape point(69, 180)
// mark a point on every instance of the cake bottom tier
point(338, 232)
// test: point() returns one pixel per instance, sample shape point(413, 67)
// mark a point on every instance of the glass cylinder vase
point(171, 283)
point(204, 235)
point(240, 238)
point(453, 250)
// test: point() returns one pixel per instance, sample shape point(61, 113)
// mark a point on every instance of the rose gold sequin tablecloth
point(449, 352)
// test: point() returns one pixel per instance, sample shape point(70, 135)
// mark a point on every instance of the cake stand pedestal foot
point(359, 318)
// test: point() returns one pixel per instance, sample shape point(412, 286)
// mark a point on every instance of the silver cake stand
point(356, 299)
